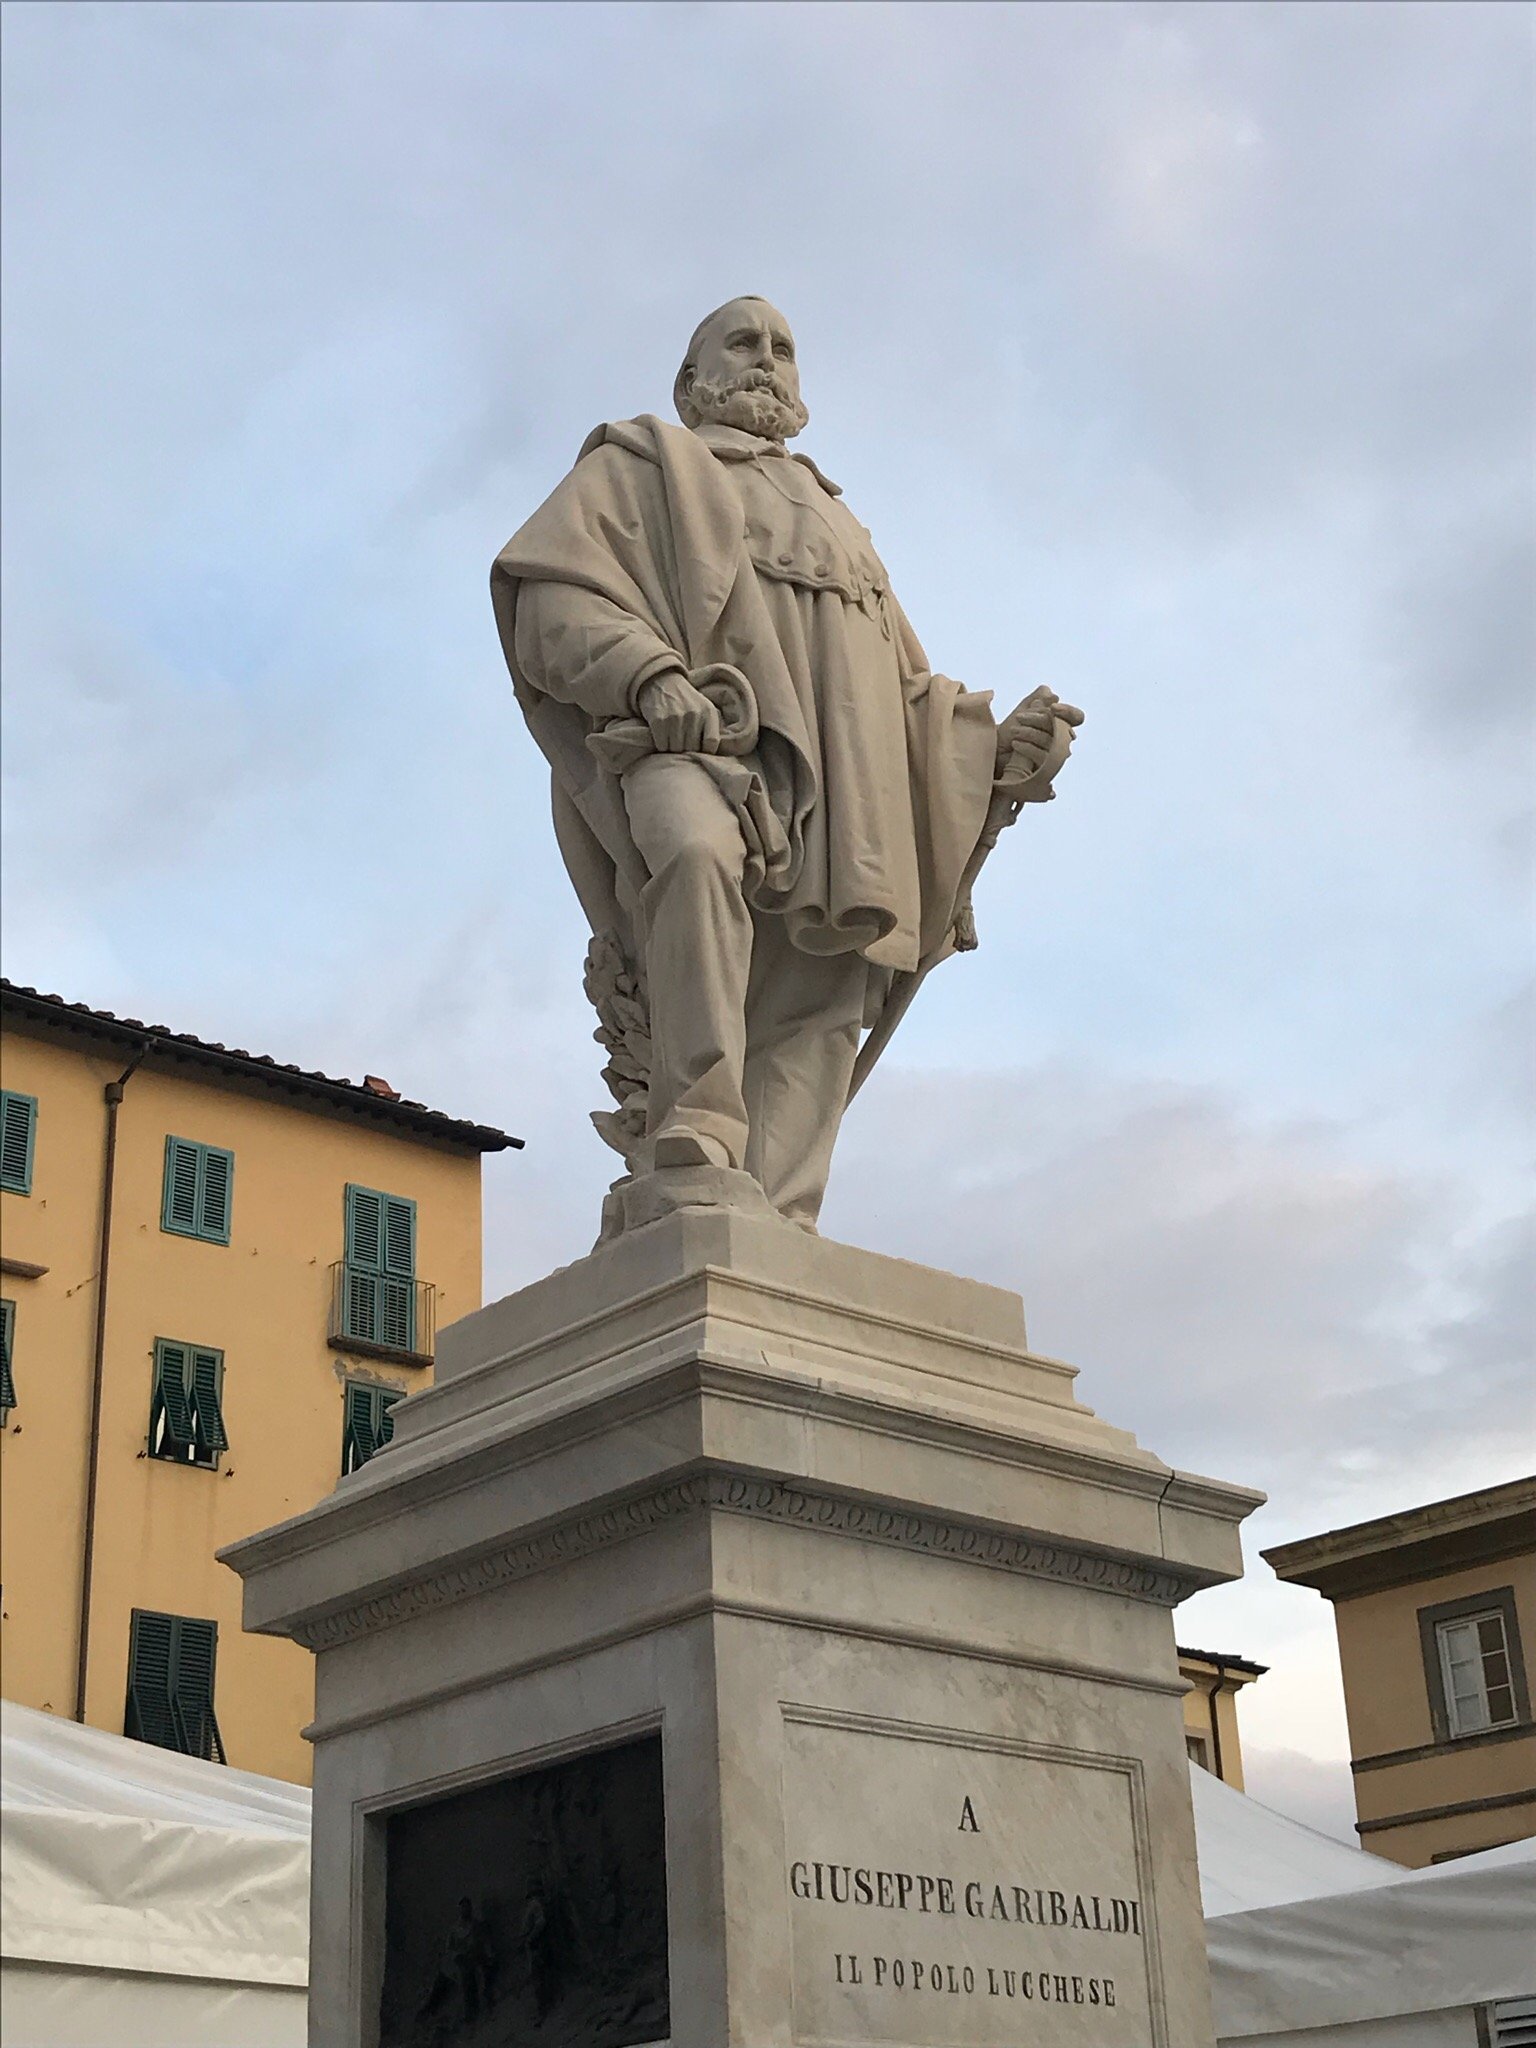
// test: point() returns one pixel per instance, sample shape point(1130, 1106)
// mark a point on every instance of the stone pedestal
point(813, 1532)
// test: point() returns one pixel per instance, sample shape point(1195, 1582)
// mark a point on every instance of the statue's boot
point(677, 1145)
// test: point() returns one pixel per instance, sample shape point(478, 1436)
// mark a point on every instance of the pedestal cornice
point(828, 1513)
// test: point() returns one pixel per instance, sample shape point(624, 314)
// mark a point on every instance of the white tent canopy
point(155, 1901)
point(1252, 1857)
point(146, 1897)
point(1307, 1936)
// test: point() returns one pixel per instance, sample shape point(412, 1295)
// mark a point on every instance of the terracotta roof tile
point(369, 1099)
point(1223, 1658)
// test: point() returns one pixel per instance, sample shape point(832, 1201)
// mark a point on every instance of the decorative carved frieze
point(830, 1513)
point(940, 1536)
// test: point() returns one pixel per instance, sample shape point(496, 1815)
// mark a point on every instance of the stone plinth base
point(853, 1589)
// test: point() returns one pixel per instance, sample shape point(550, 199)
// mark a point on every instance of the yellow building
point(218, 1274)
point(1432, 1609)
point(1210, 1710)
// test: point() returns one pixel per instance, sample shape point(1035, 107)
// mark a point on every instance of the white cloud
point(1250, 1295)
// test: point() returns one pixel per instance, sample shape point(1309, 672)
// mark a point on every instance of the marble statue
point(770, 806)
point(775, 1633)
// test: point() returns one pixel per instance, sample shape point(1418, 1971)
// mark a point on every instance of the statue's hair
point(687, 411)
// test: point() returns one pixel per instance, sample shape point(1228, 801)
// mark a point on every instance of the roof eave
point(51, 1015)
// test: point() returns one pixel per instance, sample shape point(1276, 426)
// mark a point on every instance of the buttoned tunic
point(877, 772)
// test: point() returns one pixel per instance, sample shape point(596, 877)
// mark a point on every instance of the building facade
point(218, 1274)
point(1211, 1737)
point(1433, 1609)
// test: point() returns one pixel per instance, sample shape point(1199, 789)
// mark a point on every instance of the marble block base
point(895, 1606)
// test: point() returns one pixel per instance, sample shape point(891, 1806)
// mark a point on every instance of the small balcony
point(376, 1315)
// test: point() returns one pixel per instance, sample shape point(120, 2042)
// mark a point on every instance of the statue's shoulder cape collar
point(727, 444)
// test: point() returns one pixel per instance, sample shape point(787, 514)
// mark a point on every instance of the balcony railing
point(378, 1316)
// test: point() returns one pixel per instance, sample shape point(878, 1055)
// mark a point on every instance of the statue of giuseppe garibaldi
point(770, 806)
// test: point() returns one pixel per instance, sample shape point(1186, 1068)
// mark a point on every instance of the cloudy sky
point(1178, 357)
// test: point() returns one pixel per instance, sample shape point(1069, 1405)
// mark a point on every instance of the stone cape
point(650, 527)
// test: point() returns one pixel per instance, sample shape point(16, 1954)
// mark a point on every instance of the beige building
point(1433, 1608)
point(218, 1275)
point(1211, 1736)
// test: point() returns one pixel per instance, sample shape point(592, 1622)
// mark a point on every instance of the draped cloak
point(669, 548)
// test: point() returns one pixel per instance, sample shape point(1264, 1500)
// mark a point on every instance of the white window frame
point(1473, 1718)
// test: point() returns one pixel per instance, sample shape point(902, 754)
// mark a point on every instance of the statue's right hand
point(681, 720)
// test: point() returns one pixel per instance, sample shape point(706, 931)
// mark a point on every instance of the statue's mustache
point(754, 380)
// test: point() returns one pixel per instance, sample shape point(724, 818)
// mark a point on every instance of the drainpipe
point(114, 1097)
point(1214, 1696)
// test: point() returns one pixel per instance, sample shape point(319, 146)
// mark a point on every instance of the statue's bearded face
point(741, 372)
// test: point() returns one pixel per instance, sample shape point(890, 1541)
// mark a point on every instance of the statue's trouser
point(753, 1042)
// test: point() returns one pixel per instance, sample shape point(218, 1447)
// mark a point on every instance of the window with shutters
point(186, 1407)
point(378, 1299)
point(1474, 1666)
point(7, 1340)
point(170, 1684)
point(199, 1185)
point(367, 1424)
point(18, 1136)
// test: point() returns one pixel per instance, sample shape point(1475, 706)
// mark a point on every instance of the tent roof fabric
point(1251, 1856)
point(51, 1764)
point(1458, 1934)
point(1305, 1932)
point(118, 1855)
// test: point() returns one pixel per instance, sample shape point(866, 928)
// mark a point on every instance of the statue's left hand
point(1029, 735)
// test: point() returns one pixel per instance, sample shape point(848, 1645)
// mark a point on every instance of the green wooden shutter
point(18, 1132)
point(199, 1184)
point(7, 1338)
point(207, 1405)
point(365, 1229)
point(149, 1679)
point(381, 1233)
point(397, 1290)
point(368, 1426)
point(171, 1392)
point(213, 1203)
point(170, 1683)
point(362, 1304)
point(399, 1237)
point(396, 1317)
point(194, 1647)
point(357, 1439)
point(178, 1206)
point(381, 1265)
point(385, 1405)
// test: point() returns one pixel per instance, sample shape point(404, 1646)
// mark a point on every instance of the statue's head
point(740, 371)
